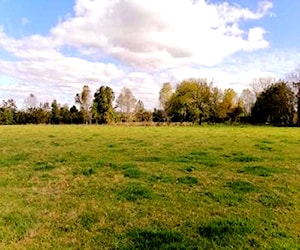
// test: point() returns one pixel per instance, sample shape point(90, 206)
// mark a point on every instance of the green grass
point(188, 180)
point(260, 171)
point(241, 186)
point(132, 172)
point(229, 232)
point(119, 187)
point(134, 191)
point(149, 239)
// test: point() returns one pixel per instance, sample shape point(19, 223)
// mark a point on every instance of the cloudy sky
point(51, 48)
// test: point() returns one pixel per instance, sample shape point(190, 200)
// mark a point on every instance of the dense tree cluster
point(193, 100)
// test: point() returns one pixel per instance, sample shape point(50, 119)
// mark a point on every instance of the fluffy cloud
point(40, 67)
point(161, 34)
point(133, 43)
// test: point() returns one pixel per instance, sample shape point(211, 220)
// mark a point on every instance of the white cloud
point(144, 87)
point(39, 67)
point(161, 33)
point(134, 43)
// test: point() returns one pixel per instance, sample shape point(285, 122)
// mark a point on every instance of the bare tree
point(260, 84)
point(294, 79)
point(126, 101)
point(31, 102)
point(165, 94)
point(248, 97)
point(85, 100)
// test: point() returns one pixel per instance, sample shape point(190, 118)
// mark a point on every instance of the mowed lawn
point(118, 187)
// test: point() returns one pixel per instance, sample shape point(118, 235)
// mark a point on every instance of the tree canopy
point(275, 105)
point(193, 100)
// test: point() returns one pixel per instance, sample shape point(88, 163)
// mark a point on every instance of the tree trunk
point(298, 122)
point(200, 120)
point(298, 106)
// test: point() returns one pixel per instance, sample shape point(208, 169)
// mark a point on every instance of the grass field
point(105, 187)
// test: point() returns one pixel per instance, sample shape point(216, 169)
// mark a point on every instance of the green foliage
point(103, 99)
point(55, 114)
point(275, 105)
point(8, 111)
point(190, 102)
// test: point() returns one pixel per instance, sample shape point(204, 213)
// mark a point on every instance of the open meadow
point(118, 187)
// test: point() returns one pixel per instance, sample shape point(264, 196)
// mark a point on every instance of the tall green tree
point(55, 112)
point(76, 115)
point(190, 102)
point(8, 111)
point(275, 105)
point(65, 114)
point(103, 105)
point(215, 105)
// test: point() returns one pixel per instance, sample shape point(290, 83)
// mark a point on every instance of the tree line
point(193, 100)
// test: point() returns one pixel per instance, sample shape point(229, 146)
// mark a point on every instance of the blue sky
point(53, 48)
